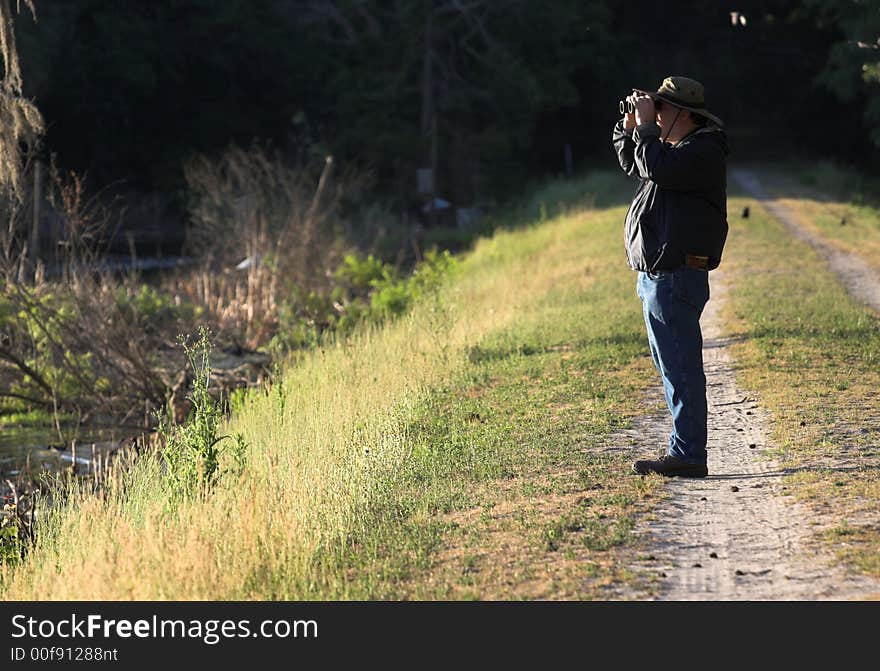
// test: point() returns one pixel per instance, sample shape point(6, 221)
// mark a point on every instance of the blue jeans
point(672, 302)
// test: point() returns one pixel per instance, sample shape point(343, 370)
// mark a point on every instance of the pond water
point(39, 451)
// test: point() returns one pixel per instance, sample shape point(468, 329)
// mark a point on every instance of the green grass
point(520, 427)
point(510, 447)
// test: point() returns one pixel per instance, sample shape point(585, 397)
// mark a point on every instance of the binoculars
point(626, 106)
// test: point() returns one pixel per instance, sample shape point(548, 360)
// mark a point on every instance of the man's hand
point(629, 120)
point(645, 112)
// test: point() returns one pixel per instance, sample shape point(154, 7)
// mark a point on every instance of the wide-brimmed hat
point(685, 93)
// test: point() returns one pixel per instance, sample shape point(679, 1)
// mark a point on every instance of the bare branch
point(12, 358)
point(374, 28)
point(327, 10)
point(30, 399)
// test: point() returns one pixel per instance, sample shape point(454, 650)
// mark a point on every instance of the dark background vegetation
point(132, 90)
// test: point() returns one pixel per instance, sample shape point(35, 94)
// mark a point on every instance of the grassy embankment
point(460, 451)
point(838, 204)
point(812, 357)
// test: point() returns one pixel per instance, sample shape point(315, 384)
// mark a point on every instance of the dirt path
point(735, 535)
point(857, 276)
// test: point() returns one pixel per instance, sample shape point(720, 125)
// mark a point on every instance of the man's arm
point(622, 138)
point(693, 166)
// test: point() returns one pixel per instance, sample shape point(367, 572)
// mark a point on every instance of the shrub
point(152, 310)
point(193, 450)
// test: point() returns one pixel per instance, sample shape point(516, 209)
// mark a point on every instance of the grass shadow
point(487, 353)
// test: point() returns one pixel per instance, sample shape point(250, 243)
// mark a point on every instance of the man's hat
point(685, 93)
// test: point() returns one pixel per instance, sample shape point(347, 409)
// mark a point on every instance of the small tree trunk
point(34, 238)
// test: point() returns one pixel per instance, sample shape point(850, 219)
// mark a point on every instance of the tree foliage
point(852, 70)
point(20, 121)
point(489, 91)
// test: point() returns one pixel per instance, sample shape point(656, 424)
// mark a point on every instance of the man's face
point(666, 115)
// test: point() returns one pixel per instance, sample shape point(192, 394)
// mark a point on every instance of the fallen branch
point(743, 400)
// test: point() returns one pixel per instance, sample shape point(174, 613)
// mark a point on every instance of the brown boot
point(669, 466)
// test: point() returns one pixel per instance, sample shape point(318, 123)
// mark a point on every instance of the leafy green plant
point(365, 290)
point(16, 527)
point(431, 272)
point(361, 274)
point(151, 309)
point(392, 296)
point(390, 300)
point(193, 450)
point(237, 398)
point(10, 539)
point(42, 321)
point(301, 319)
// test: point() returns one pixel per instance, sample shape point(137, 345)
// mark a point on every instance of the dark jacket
point(681, 203)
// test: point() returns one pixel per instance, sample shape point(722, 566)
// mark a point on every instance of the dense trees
point(852, 69)
point(485, 92)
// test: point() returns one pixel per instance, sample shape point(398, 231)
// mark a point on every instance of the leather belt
point(698, 262)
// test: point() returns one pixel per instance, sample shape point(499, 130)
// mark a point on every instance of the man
point(675, 231)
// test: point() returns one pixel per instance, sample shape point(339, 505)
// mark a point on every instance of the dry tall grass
point(320, 443)
point(259, 229)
